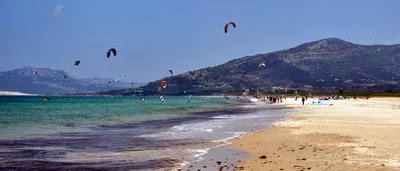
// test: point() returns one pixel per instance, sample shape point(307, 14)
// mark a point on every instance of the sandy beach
point(348, 135)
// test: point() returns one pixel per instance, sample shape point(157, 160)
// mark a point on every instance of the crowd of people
point(278, 99)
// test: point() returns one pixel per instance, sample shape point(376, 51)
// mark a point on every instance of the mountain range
point(52, 82)
point(322, 65)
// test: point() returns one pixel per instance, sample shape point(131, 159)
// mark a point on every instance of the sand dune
point(349, 135)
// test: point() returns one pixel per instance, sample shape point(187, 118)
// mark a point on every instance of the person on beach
point(303, 99)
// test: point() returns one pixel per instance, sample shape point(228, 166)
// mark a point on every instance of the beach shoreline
point(224, 156)
point(14, 93)
point(158, 143)
point(348, 135)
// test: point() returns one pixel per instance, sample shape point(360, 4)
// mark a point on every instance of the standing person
point(306, 97)
point(303, 99)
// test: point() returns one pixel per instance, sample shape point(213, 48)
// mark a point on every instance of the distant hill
point(323, 65)
point(49, 81)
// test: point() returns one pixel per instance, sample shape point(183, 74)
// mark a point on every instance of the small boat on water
point(46, 98)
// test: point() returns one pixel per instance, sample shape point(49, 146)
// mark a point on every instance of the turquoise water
point(86, 133)
point(27, 116)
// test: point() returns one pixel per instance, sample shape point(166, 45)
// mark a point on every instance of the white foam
point(183, 164)
point(198, 152)
point(220, 128)
point(252, 105)
point(225, 128)
point(203, 127)
point(257, 115)
point(190, 130)
point(254, 100)
point(228, 139)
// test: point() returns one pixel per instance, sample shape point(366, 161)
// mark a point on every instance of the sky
point(154, 36)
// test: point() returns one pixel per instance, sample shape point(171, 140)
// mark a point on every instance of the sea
point(123, 133)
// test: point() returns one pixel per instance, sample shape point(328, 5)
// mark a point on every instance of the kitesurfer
point(162, 98)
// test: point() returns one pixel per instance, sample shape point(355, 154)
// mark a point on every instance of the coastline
point(14, 93)
point(223, 156)
point(156, 144)
point(349, 135)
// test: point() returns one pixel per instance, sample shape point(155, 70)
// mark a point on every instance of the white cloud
point(57, 10)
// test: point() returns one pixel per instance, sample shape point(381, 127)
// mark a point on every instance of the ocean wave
point(244, 116)
point(189, 130)
point(227, 140)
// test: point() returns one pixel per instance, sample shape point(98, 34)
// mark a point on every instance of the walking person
point(303, 99)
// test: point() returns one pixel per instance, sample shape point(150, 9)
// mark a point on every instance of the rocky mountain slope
point(323, 64)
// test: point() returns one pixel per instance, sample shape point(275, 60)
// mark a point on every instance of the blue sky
point(154, 36)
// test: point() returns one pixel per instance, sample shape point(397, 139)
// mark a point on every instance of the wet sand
point(220, 158)
point(349, 135)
